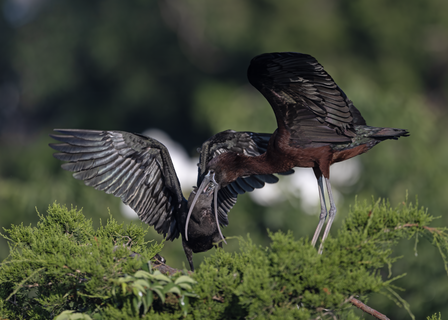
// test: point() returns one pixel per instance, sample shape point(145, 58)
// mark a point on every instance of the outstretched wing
point(133, 167)
point(305, 99)
point(247, 143)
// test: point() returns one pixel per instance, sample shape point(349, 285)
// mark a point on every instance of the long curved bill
point(217, 187)
point(208, 185)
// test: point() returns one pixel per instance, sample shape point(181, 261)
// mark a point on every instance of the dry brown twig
point(367, 309)
point(407, 225)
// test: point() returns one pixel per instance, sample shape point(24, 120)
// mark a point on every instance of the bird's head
point(225, 168)
point(221, 170)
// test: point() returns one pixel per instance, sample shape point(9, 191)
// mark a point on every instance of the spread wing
point(247, 143)
point(305, 99)
point(133, 167)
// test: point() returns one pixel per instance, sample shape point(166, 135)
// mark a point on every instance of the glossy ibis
point(317, 126)
point(249, 144)
point(139, 170)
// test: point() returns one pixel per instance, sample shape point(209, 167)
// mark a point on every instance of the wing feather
point(247, 143)
point(135, 168)
point(295, 81)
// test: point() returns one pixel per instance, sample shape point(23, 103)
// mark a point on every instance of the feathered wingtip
point(391, 133)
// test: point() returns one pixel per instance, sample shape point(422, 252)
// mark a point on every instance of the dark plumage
point(249, 144)
point(204, 231)
point(139, 170)
point(317, 126)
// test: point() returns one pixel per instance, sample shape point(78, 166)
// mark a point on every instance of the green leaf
point(80, 316)
point(136, 303)
point(142, 274)
point(156, 286)
point(145, 267)
point(160, 294)
point(158, 276)
point(97, 316)
point(175, 290)
point(136, 292)
point(168, 287)
point(65, 315)
point(185, 286)
point(183, 301)
point(70, 315)
point(141, 285)
point(148, 299)
point(183, 279)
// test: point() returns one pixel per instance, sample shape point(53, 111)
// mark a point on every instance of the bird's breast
point(307, 157)
point(346, 154)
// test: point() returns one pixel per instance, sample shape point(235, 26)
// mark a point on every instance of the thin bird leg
point(331, 215)
point(216, 213)
point(323, 210)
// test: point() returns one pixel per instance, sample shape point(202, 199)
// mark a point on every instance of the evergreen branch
point(402, 301)
point(93, 296)
point(438, 234)
point(22, 260)
point(23, 281)
point(430, 229)
point(287, 278)
point(37, 285)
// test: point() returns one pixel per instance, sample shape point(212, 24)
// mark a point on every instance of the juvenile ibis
point(249, 144)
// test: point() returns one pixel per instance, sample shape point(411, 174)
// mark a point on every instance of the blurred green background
point(180, 66)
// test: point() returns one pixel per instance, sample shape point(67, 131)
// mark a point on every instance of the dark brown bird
point(317, 126)
point(249, 144)
point(139, 170)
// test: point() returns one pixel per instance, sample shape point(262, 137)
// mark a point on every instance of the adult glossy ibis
point(317, 126)
point(139, 170)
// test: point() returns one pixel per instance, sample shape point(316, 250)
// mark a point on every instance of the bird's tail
point(390, 133)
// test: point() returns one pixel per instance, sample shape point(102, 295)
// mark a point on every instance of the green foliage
point(289, 280)
point(435, 317)
point(64, 264)
point(71, 315)
point(64, 268)
point(143, 284)
point(181, 67)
